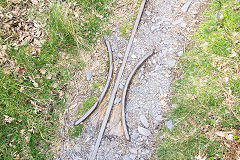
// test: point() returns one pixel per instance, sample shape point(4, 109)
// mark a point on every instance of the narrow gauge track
point(115, 88)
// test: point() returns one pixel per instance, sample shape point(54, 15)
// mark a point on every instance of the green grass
point(31, 86)
point(96, 87)
point(76, 130)
point(87, 104)
point(207, 94)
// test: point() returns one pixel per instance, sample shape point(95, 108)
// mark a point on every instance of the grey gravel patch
point(144, 121)
point(88, 75)
point(183, 24)
point(133, 150)
point(158, 117)
point(126, 157)
point(133, 156)
point(186, 6)
point(178, 21)
point(144, 131)
point(169, 124)
point(153, 28)
point(77, 148)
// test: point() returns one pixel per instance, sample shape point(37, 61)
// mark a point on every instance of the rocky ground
point(165, 27)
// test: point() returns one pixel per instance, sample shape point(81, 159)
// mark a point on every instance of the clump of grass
point(68, 31)
point(76, 130)
point(31, 85)
point(87, 104)
point(207, 94)
point(96, 86)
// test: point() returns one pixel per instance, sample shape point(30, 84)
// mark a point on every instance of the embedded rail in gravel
point(115, 89)
point(125, 92)
point(164, 27)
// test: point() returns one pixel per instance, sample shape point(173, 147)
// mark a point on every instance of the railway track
point(116, 85)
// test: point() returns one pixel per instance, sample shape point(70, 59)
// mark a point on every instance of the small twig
point(125, 91)
point(110, 104)
point(182, 119)
point(44, 138)
point(110, 73)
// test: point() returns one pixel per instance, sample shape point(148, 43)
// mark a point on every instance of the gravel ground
point(164, 27)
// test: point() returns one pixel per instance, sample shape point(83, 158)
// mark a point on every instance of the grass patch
point(76, 130)
point(96, 87)
point(207, 94)
point(32, 84)
point(87, 104)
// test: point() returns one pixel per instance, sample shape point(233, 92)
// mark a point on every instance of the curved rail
point(125, 92)
point(110, 73)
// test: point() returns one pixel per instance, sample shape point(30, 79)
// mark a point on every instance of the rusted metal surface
point(110, 73)
point(110, 104)
point(126, 89)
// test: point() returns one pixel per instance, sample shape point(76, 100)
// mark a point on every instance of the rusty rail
point(110, 73)
point(126, 89)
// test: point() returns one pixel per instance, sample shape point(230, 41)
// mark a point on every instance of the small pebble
point(133, 156)
point(133, 150)
point(126, 157)
point(186, 6)
point(144, 121)
point(169, 124)
point(148, 13)
point(120, 55)
point(133, 56)
point(135, 135)
point(180, 53)
point(117, 100)
point(171, 63)
point(88, 75)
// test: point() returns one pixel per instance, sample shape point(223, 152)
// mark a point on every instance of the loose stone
point(153, 28)
point(133, 150)
point(144, 121)
point(117, 100)
point(180, 53)
point(120, 55)
point(88, 75)
point(126, 157)
point(133, 156)
point(171, 63)
point(133, 56)
point(186, 6)
point(148, 13)
point(144, 131)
